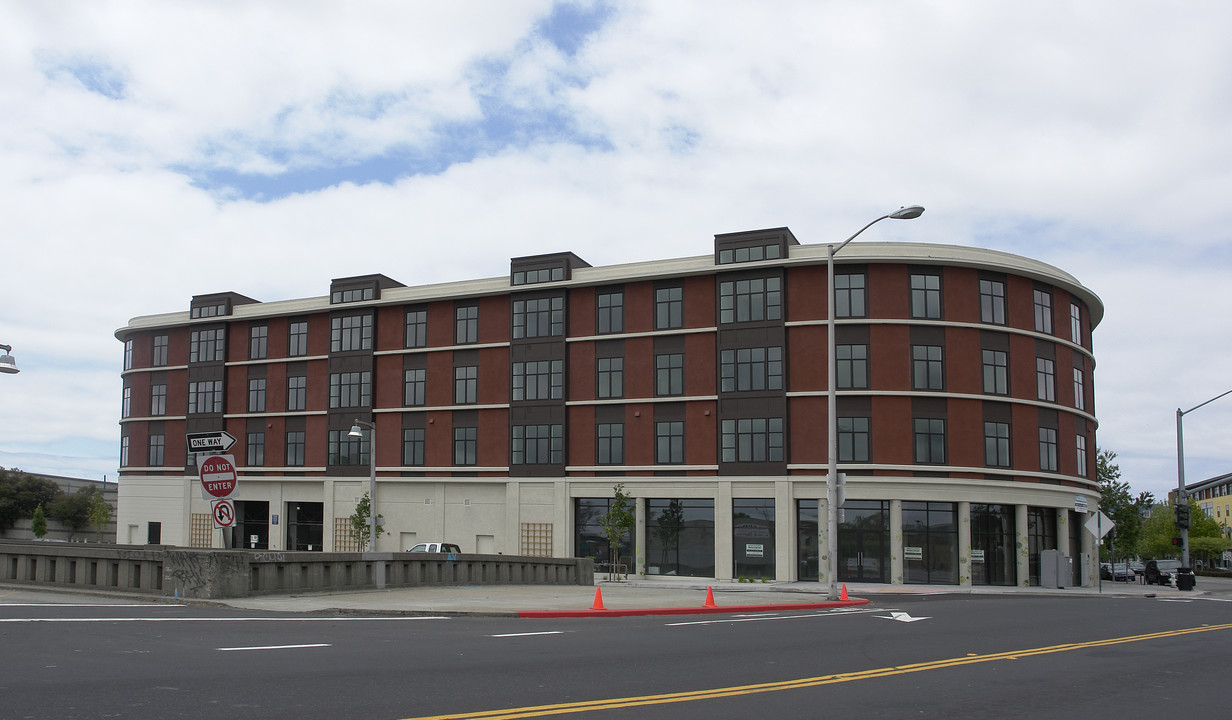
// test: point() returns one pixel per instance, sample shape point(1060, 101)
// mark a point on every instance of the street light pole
point(1180, 471)
point(357, 432)
point(906, 213)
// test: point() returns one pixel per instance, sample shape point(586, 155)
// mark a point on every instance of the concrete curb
point(705, 610)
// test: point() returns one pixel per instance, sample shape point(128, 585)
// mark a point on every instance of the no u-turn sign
point(224, 513)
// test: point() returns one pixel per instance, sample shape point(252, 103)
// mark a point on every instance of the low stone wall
point(203, 573)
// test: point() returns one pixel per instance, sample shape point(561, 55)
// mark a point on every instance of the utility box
point(1056, 570)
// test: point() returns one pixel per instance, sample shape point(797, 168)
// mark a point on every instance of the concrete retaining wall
point(203, 573)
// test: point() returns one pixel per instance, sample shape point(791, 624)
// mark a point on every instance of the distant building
point(1213, 495)
point(506, 409)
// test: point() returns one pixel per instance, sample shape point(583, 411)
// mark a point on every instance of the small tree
point(360, 528)
point(39, 524)
point(73, 511)
point(100, 513)
point(617, 522)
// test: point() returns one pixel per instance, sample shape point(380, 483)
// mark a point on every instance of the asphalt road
point(940, 656)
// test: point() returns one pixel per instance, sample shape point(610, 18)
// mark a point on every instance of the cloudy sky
point(151, 151)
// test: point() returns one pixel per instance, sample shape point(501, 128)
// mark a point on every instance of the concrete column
point(1022, 545)
point(511, 544)
point(784, 532)
point(639, 534)
point(823, 545)
point(562, 520)
point(723, 531)
point(964, 543)
point(327, 512)
point(896, 542)
point(1063, 542)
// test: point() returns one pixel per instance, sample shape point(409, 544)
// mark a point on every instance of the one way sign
point(216, 441)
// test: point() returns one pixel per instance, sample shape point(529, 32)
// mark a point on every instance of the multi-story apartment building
point(507, 408)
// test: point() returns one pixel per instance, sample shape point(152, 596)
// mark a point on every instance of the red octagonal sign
point(218, 476)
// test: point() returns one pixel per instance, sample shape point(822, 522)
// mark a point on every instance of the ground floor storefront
point(897, 530)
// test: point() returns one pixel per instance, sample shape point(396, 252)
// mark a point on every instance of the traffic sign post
point(224, 513)
point(218, 479)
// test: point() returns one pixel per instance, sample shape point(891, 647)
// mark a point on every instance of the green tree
point(360, 529)
point(21, 493)
point(39, 524)
point(73, 511)
point(617, 522)
point(1119, 505)
point(1158, 530)
point(100, 513)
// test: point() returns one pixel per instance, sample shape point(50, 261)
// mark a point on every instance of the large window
point(128, 354)
point(537, 445)
point(926, 296)
point(126, 407)
point(992, 302)
point(539, 380)
point(466, 324)
point(205, 397)
point(344, 449)
point(753, 538)
point(853, 440)
point(297, 392)
point(256, 395)
point(996, 372)
point(680, 537)
point(466, 384)
point(927, 368)
point(752, 440)
point(930, 543)
point(161, 343)
point(851, 366)
point(1075, 323)
point(465, 446)
point(751, 369)
point(350, 389)
point(997, 444)
point(298, 339)
point(255, 449)
point(415, 387)
point(1082, 455)
point(611, 443)
point(669, 374)
point(1045, 379)
point(350, 332)
point(158, 399)
point(1079, 389)
point(1048, 449)
point(611, 307)
point(929, 440)
point(850, 296)
point(158, 445)
point(669, 442)
point(750, 300)
point(669, 308)
point(207, 345)
point(993, 559)
point(258, 342)
point(1043, 312)
point(295, 448)
point(413, 446)
point(541, 317)
point(416, 328)
point(611, 377)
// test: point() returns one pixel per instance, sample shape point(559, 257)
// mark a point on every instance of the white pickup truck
point(436, 547)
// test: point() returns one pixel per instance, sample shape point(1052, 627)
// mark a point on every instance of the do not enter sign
point(218, 477)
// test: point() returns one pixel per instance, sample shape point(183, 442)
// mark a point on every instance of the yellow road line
point(665, 698)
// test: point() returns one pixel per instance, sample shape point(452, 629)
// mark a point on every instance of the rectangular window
point(158, 399)
point(752, 440)
point(851, 367)
point(353, 295)
point(466, 324)
point(298, 339)
point(929, 440)
point(413, 446)
point(416, 328)
point(853, 440)
point(669, 442)
point(996, 372)
point(343, 449)
point(415, 387)
point(1045, 379)
point(128, 354)
point(161, 343)
point(124, 451)
point(850, 296)
point(1082, 456)
point(997, 444)
point(206, 345)
point(751, 369)
point(1079, 389)
point(611, 440)
point(1075, 323)
point(295, 448)
point(750, 300)
point(256, 395)
point(258, 342)
point(466, 384)
point(537, 445)
point(669, 308)
point(350, 332)
point(255, 449)
point(669, 374)
point(992, 302)
point(465, 446)
point(297, 392)
point(927, 368)
point(751, 253)
point(541, 317)
point(158, 445)
point(611, 306)
point(926, 296)
point(539, 380)
point(1048, 449)
point(350, 389)
point(1043, 312)
point(611, 380)
point(126, 407)
point(205, 397)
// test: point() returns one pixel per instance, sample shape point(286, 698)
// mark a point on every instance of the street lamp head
point(356, 431)
point(911, 212)
point(8, 365)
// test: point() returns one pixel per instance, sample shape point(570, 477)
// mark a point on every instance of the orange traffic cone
point(843, 596)
point(598, 600)
point(709, 597)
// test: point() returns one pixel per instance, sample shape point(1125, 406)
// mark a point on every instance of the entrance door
point(251, 525)
point(864, 541)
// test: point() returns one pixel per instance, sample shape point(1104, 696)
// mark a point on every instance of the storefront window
point(680, 537)
point(930, 543)
point(992, 545)
point(753, 538)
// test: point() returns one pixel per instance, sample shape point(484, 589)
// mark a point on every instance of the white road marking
point(526, 634)
point(902, 617)
point(92, 605)
point(220, 619)
point(732, 619)
point(275, 647)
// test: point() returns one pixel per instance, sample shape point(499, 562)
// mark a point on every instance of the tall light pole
point(357, 432)
point(906, 213)
point(8, 365)
point(1180, 471)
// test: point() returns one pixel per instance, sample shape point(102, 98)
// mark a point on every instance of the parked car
point(1118, 572)
point(1138, 568)
point(436, 547)
point(1165, 572)
point(1105, 571)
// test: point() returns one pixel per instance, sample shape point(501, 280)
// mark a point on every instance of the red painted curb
point(688, 610)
